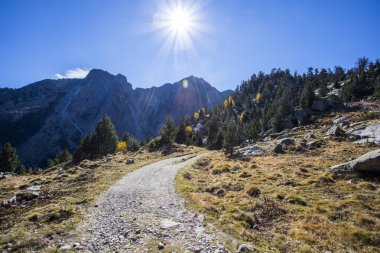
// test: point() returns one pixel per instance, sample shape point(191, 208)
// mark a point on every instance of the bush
point(154, 144)
point(254, 192)
point(122, 146)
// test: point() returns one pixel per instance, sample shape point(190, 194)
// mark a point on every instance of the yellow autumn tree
point(233, 103)
point(242, 117)
point(225, 103)
point(258, 96)
point(196, 115)
point(189, 130)
point(122, 146)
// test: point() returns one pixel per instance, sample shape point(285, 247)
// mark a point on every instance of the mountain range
point(45, 117)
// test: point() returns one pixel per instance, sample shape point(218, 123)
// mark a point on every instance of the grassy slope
point(301, 207)
point(64, 198)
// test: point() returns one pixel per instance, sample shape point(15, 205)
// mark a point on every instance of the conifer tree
point(168, 131)
point(231, 137)
point(8, 158)
point(181, 133)
point(102, 141)
point(307, 96)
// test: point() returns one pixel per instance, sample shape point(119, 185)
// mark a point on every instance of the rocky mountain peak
point(61, 116)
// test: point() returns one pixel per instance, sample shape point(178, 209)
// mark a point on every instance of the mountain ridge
point(46, 116)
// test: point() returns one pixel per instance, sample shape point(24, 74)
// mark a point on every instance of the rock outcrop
point(367, 134)
point(367, 163)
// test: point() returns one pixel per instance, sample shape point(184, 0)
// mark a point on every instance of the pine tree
point(8, 158)
point(181, 134)
point(231, 137)
point(64, 156)
point(168, 131)
point(132, 143)
point(307, 96)
point(102, 141)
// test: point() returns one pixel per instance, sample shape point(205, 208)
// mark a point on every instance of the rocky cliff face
point(47, 116)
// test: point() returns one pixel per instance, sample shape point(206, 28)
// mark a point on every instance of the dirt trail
point(143, 212)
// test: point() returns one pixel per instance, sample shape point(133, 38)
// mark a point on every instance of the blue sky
point(42, 38)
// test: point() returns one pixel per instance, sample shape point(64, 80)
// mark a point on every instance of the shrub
point(122, 146)
point(254, 192)
point(154, 144)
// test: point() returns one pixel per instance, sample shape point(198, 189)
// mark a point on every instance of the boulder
point(26, 196)
point(286, 142)
point(244, 248)
point(288, 123)
point(309, 135)
point(278, 149)
point(367, 163)
point(327, 103)
point(129, 161)
point(313, 145)
point(302, 115)
point(367, 134)
point(320, 105)
point(335, 131)
point(251, 150)
point(341, 121)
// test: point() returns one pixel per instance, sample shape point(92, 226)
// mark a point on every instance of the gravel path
point(143, 213)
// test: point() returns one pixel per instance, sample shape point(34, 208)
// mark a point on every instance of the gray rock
point(309, 135)
point(324, 104)
point(313, 145)
point(278, 149)
point(367, 163)
point(65, 247)
point(246, 248)
point(320, 105)
point(129, 161)
point(26, 196)
point(335, 131)
point(251, 150)
point(367, 134)
point(341, 121)
point(302, 115)
point(288, 123)
point(286, 142)
point(160, 246)
point(34, 188)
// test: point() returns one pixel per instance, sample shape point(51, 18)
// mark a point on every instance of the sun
point(179, 22)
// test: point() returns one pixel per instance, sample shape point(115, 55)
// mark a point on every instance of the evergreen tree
point(168, 132)
point(64, 156)
point(181, 133)
point(307, 96)
point(102, 141)
point(231, 137)
point(132, 143)
point(8, 158)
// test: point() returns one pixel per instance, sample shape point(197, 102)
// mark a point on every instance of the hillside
point(280, 195)
point(45, 117)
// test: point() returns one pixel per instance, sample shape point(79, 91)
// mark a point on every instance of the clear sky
point(226, 42)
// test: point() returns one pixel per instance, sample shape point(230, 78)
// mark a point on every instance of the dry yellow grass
point(289, 202)
point(65, 197)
